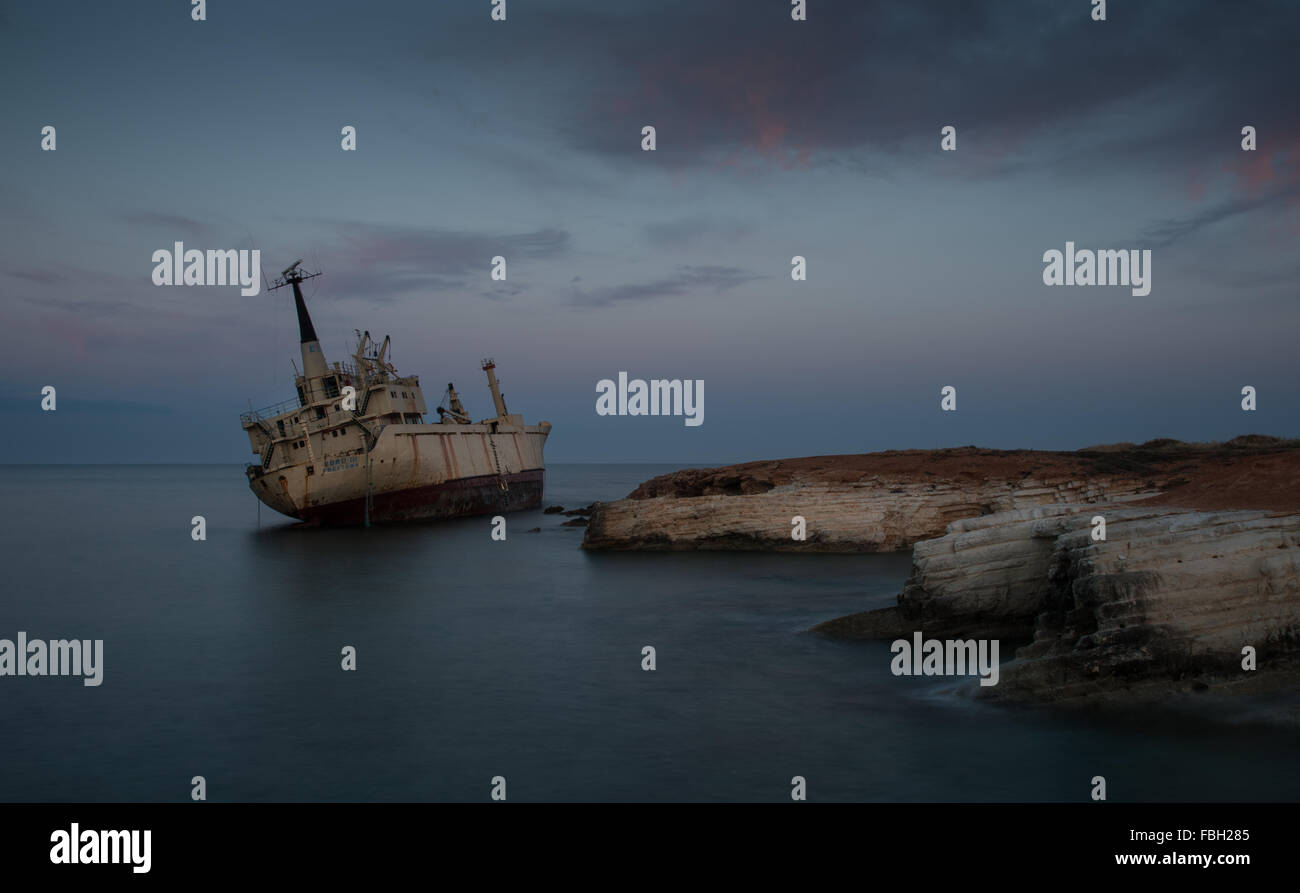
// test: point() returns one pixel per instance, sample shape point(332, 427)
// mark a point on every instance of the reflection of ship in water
point(354, 446)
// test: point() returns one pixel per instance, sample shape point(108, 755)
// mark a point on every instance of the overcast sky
point(775, 138)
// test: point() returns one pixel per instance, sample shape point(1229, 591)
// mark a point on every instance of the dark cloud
point(1241, 279)
point(731, 81)
point(41, 277)
point(685, 279)
point(382, 262)
point(174, 223)
point(98, 309)
point(501, 292)
point(689, 231)
point(1164, 233)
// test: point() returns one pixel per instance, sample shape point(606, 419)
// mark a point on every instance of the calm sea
point(519, 659)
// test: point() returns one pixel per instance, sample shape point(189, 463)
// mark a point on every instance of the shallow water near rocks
point(519, 658)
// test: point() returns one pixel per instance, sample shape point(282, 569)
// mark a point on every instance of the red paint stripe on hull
point(458, 498)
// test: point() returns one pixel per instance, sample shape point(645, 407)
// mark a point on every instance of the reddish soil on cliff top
point(1249, 472)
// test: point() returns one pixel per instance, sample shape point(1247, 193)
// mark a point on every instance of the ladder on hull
point(496, 459)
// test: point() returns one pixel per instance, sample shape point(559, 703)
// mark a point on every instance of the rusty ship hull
point(416, 472)
point(456, 498)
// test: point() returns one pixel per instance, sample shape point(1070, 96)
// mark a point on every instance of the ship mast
point(313, 358)
point(497, 399)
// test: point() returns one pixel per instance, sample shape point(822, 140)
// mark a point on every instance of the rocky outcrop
point(1199, 558)
point(873, 514)
point(888, 501)
point(984, 574)
point(1169, 598)
point(1172, 599)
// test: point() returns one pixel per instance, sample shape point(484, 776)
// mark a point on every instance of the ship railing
point(372, 371)
point(269, 412)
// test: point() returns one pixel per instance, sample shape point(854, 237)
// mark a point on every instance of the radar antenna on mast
point(291, 275)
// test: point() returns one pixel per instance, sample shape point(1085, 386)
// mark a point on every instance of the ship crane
point(456, 415)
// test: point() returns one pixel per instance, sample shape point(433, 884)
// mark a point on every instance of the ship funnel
point(497, 399)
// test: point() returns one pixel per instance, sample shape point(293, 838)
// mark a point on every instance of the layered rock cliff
point(1169, 598)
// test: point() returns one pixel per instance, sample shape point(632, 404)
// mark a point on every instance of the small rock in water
point(534, 530)
point(581, 511)
point(552, 510)
point(576, 522)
